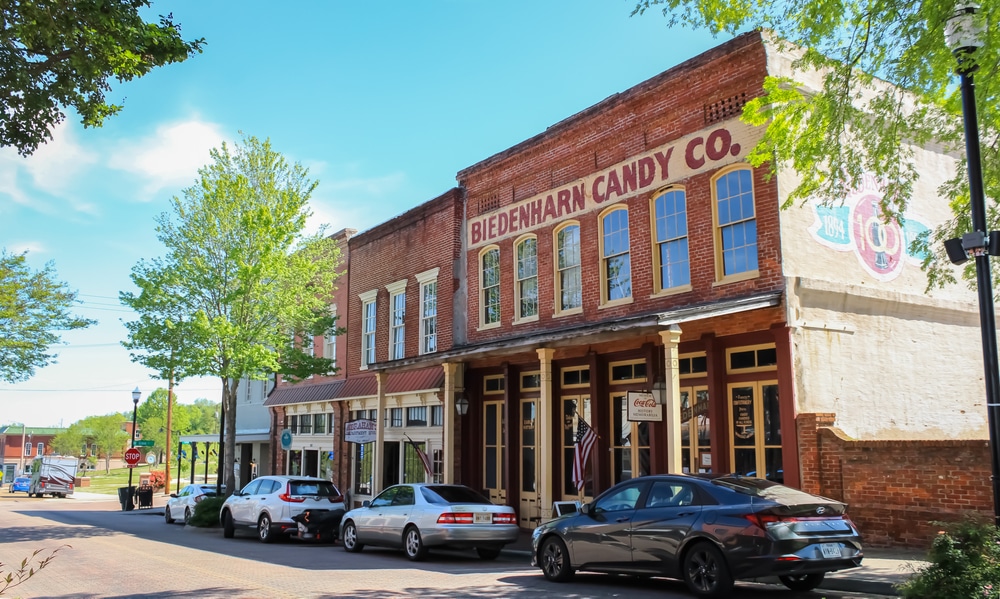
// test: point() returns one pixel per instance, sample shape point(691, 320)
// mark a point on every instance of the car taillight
point(287, 496)
point(198, 498)
point(336, 499)
point(503, 519)
point(766, 520)
point(455, 518)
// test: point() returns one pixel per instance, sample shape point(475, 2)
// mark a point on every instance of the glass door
point(529, 513)
point(629, 442)
point(696, 444)
point(575, 408)
point(493, 451)
point(756, 430)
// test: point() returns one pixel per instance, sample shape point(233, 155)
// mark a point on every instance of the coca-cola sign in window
point(642, 407)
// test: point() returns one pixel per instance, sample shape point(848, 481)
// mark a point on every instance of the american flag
point(585, 439)
point(428, 468)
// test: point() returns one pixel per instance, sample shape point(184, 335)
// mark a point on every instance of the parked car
point(268, 503)
point(418, 516)
point(707, 530)
point(181, 505)
point(20, 484)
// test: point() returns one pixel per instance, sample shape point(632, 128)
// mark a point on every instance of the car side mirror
point(585, 509)
point(366, 503)
point(173, 495)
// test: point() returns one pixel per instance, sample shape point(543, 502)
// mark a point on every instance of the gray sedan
point(418, 516)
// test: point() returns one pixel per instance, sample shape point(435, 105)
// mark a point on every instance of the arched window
point(736, 222)
point(616, 262)
point(569, 290)
point(526, 275)
point(670, 235)
point(489, 281)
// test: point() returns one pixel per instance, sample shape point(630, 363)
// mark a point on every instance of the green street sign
point(144, 443)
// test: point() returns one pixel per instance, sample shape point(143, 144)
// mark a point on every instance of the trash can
point(125, 498)
point(145, 496)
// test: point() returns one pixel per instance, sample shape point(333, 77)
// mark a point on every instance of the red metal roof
point(360, 386)
point(304, 393)
point(415, 380)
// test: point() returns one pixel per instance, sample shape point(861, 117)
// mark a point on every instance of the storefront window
point(364, 460)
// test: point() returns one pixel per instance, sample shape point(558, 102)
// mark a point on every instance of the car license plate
point(830, 549)
point(483, 518)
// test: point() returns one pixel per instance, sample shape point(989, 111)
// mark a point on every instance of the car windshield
point(451, 494)
point(319, 488)
point(764, 488)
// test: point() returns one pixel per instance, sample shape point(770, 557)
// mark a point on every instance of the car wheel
point(228, 530)
point(187, 516)
point(802, 582)
point(554, 560)
point(264, 529)
point(413, 544)
point(706, 572)
point(488, 553)
point(350, 539)
point(166, 514)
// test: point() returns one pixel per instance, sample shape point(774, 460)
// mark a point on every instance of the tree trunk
point(229, 388)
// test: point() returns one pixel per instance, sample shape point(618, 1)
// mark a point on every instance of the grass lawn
point(109, 483)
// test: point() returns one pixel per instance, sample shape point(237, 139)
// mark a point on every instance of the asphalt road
point(107, 553)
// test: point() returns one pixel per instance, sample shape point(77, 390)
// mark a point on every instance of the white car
point(268, 503)
point(418, 516)
point(180, 506)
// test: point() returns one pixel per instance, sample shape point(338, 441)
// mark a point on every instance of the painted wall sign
point(360, 431)
point(856, 225)
point(642, 406)
point(708, 149)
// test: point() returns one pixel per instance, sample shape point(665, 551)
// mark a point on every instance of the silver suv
point(267, 504)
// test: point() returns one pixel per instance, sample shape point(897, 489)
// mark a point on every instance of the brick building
point(628, 269)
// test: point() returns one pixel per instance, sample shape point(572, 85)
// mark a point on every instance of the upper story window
point(394, 417)
point(368, 323)
point(416, 416)
point(489, 276)
point(41, 449)
point(527, 278)
point(569, 288)
point(27, 449)
point(616, 264)
point(672, 268)
point(736, 222)
point(319, 424)
point(397, 319)
point(428, 310)
point(330, 339)
point(437, 415)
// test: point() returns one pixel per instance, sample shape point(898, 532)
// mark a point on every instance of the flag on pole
point(585, 440)
point(428, 468)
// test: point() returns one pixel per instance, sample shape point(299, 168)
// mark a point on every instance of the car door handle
point(685, 514)
point(625, 519)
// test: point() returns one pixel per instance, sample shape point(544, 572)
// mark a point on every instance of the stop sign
point(132, 456)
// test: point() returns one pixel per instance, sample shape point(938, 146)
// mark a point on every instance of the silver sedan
point(418, 516)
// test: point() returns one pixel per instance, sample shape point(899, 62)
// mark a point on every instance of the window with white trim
point(397, 320)
point(527, 278)
point(428, 310)
point(330, 339)
point(616, 262)
point(736, 222)
point(489, 296)
point(671, 237)
point(368, 324)
point(569, 286)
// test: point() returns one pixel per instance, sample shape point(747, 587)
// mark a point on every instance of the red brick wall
point(896, 489)
point(419, 240)
point(652, 113)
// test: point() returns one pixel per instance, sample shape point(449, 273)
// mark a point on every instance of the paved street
point(136, 554)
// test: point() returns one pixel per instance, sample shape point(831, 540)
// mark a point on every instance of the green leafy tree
point(33, 307)
point(108, 434)
point(241, 272)
point(70, 441)
point(855, 124)
point(202, 416)
point(59, 54)
point(152, 416)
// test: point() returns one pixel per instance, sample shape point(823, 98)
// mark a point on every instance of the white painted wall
point(890, 359)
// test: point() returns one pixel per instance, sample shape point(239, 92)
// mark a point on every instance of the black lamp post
point(135, 405)
point(963, 34)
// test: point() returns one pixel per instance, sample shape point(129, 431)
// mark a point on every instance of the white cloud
point(55, 165)
point(32, 247)
point(170, 157)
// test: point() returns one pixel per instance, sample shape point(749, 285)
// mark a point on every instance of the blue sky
point(383, 103)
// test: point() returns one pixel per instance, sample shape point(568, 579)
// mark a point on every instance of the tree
point(33, 306)
point(70, 441)
point(152, 416)
point(108, 434)
point(59, 54)
point(242, 273)
point(856, 124)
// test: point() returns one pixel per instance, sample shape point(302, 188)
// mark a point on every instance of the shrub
point(158, 479)
point(206, 512)
point(964, 562)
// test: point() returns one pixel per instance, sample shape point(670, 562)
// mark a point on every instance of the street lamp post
point(963, 34)
point(135, 405)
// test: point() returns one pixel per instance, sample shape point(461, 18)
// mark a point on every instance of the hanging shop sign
point(642, 407)
point(360, 431)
